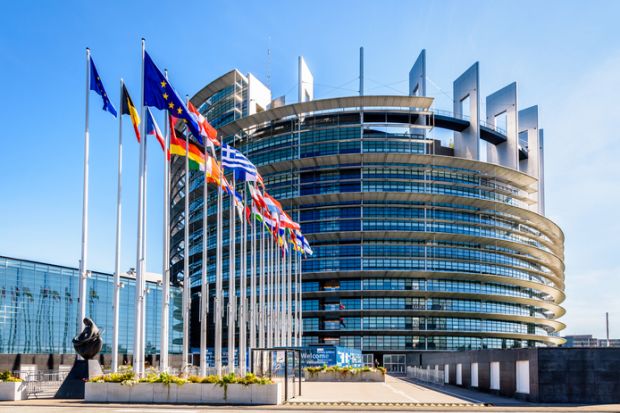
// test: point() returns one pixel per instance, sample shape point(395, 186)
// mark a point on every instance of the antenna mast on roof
point(268, 62)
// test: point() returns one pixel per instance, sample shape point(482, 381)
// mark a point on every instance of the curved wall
point(414, 249)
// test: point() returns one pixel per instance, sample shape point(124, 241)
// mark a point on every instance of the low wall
point(12, 391)
point(188, 393)
point(543, 375)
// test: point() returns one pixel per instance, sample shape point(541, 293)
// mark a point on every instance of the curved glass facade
point(414, 248)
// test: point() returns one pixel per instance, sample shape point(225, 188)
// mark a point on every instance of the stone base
point(188, 393)
point(74, 384)
point(13, 391)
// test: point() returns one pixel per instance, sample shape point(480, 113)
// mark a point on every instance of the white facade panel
point(474, 374)
point(459, 374)
point(259, 95)
point(306, 82)
point(523, 376)
point(494, 375)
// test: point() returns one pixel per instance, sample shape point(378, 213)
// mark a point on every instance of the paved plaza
point(396, 394)
point(394, 390)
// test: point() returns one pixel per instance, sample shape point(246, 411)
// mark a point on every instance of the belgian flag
point(128, 108)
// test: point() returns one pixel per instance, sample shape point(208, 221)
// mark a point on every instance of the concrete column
point(541, 172)
point(417, 76)
point(467, 142)
point(528, 128)
point(500, 102)
point(305, 81)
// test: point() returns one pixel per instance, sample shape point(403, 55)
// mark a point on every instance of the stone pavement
point(394, 390)
point(72, 406)
point(396, 394)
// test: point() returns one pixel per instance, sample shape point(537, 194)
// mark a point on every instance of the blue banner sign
point(331, 356)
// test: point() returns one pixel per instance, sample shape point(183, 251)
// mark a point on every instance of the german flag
point(196, 157)
point(128, 108)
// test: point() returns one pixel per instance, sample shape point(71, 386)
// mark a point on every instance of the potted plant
point(11, 387)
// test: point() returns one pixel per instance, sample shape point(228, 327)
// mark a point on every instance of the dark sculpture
point(89, 342)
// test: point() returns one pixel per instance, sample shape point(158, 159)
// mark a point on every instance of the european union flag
point(97, 86)
point(159, 93)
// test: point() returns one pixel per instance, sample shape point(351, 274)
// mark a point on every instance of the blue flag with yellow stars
point(159, 93)
point(97, 86)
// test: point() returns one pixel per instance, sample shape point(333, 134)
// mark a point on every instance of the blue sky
point(564, 56)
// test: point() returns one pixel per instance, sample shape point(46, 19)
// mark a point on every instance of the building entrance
point(394, 363)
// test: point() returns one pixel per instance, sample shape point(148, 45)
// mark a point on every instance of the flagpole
point(144, 258)
point(297, 303)
point(186, 276)
point(282, 323)
point(274, 289)
point(289, 296)
point(137, 356)
point(232, 295)
point(84, 252)
point(269, 291)
point(253, 315)
point(283, 295)
point(165, 307)
point(204, 287)
point(217, 345)
point(243, 292)
point(300, 289)
point(273, 293)
point(117, 257)
point(287, 309)
point(278, 298)
point(261, 287)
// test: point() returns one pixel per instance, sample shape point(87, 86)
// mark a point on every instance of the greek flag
point(235, 160)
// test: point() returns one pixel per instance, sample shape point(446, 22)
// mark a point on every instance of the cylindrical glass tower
point(415, 248)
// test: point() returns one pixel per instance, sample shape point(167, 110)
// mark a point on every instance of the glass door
point(394, 363)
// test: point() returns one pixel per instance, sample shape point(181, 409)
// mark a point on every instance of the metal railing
point(427, 375)
point(41, 383)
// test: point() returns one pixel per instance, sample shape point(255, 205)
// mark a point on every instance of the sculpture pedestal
point(74, 384)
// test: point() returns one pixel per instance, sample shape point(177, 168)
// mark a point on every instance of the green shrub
point(314, 370)
point(194, 379)
point(213, 379)
point(7, 377)
point(250, 378)
point(342, 370)
point(126, 377)
point(164, 378)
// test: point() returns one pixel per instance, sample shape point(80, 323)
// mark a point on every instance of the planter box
point(189, 393)
point(13, 391)
point(365, 376)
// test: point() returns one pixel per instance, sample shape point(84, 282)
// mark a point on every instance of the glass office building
point(38, 309)
point(428, 226)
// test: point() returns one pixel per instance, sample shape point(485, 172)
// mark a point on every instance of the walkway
point(394, 390)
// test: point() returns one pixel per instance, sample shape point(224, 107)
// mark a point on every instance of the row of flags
point(253, 204)
point(159, 93)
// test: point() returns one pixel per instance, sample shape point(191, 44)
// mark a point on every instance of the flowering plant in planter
point(7, 377)
point(346, 370)
point(128, 377)
point(125, 377)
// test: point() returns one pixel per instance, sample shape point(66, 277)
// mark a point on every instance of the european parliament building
point(420, 243)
